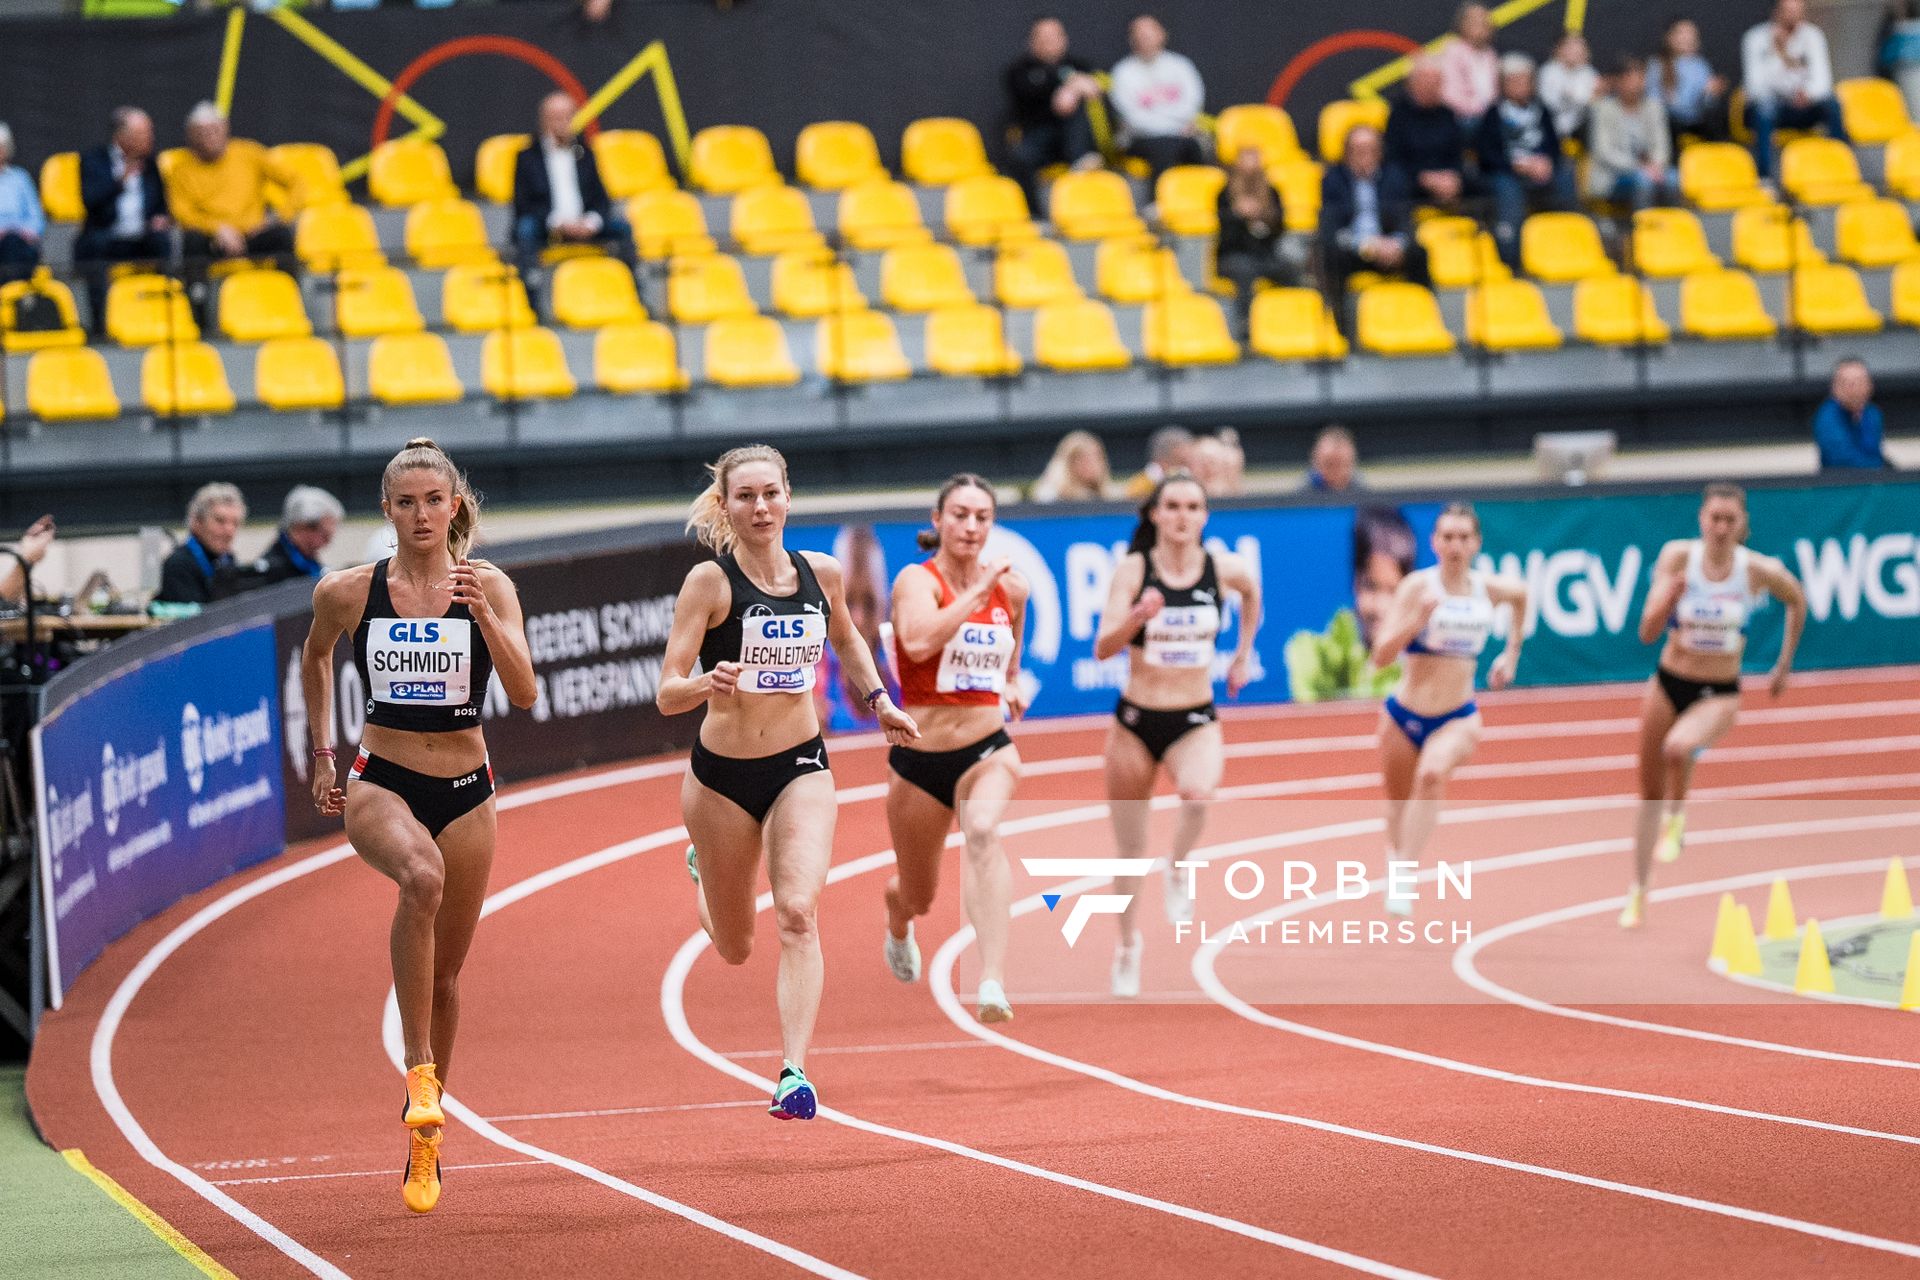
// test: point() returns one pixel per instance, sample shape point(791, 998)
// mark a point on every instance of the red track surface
point(1180, 1137)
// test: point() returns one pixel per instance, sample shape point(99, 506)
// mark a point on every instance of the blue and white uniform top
point(1460, 626)
point(1711, 616)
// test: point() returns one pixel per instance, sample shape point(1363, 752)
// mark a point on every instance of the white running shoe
point(1126, 969)
point(993, 1003)
point(1401, 907)
point(903, 956)
point(1177, 902)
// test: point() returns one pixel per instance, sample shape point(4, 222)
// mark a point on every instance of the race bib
point(421, 662)
point(1457, 631)
point(1182, 636)
point(1712, 624)
point(976, 659)
point(780, 652)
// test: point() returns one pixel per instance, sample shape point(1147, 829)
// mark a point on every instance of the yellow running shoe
point(423, 1098)
point(1634, 914)
point(420, 1180)
point(1672, 835)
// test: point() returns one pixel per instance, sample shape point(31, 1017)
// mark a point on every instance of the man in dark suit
point(1366, 219)
point(202, 568)
point(557, 194)
point(127, 219)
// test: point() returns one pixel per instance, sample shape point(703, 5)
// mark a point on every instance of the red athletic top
point(972, 669)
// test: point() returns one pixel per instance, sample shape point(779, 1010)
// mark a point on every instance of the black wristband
point(875, 696)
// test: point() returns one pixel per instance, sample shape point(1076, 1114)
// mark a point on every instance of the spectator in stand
point(308, 521)
point(127, 218)
point(1469, 67)
point(1789, 80)
point(1077, 472)
point(1569, 84)
point(201, 569)
point(22, 220)
point(1848, 427)
point(1169, 449)
point(1632, 151)
point(1049, 90)
point(1425, 141)
point(1219, 464)
point(33, 546)
point(1333, 466)
point(1693, 94)
point(558, 197)
point(218, 191)
point(1366, 219)
point(1253, 233)
point(1520, 156)
point(1158, 95)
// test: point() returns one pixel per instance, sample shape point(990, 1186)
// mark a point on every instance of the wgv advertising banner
point(155, 784)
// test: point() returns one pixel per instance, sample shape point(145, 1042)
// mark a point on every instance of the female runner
point(1163, 609)
point(1441, 618)
point(758, 618)
point(956, 639)
point(429, 628)
point(1702, 596)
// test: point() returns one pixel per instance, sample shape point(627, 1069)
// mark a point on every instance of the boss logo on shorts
point(780, 651)
point(421, 661)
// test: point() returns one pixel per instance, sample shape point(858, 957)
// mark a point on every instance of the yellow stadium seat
point(1079, 335)
point(69, 334)
point(493, 166)
point(631, 161)
point(525, 364)
point(749, 351)
point(923, 277)
point(412, 368)
point(860, 346)
point(1562, 247)
point(1906, 294)
point(941, 150)
point(313, 174)
point(441, 233)
point(258, 305)
point(184, 378)
point(1723, 304)
point(1460, 257)
point(1510, 315)
point(774, 220)
point(60, 187)
point(330, 237)
point(732, 157)
point(1617, 311)
point(812, 282)
point(70, 383)
point(1033, 273)
point(1717, 176)
point(370, 301)
point(1185, 329)
point(1338, 118)
point(667, 224)
point(833, 155)
point(1138, 270)
point(1670, 242)
point(1093, 204)
point(1831, 299)
point(637, 356)
point(1822, 171)
point(476, 297)
point(405, 171)
point(143, 309)
point(298, 373)
point(1294, 324)
point(596, 291)
point(880, 215)
point(1399, 319)
point(1903, 166)
point(1267, 129)
point(1874, 109)
point(1299, 181)
point(987, 209)
point(706, 288)
point(1875, 233)
point(970, 342)
point(1767, 237)
point(1189, 199)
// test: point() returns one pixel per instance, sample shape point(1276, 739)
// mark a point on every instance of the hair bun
point(423, 442)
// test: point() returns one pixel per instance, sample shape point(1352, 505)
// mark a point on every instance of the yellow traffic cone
point(1815, 973)
point(1781, 924)
point(1896, 899)
point(1910, 991)
point(1718, 958)
point(1743, 956)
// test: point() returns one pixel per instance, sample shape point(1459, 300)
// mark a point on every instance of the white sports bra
point(1710, 616)
point(1460, 626)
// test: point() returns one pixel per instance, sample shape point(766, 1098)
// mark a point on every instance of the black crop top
point(1182, 634)
point(778, 639)
point(427, 675)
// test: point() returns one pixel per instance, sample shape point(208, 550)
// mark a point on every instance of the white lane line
point(815, 1051)
point(362, 1173)
point(940, 978)
point(601, 1112)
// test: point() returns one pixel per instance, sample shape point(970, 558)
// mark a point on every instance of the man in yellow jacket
point(218, 194)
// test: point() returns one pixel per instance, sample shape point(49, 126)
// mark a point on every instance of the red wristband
point(323, 751)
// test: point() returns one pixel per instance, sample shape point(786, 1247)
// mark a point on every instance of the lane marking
point(147, 1218)
point(362, 1173)
point(619, 1111)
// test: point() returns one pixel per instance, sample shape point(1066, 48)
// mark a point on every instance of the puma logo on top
point(1203, 594)
point(813, 759)
point(809, 608)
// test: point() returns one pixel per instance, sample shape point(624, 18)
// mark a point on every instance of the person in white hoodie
point(1789, 80)
point(1158, 95)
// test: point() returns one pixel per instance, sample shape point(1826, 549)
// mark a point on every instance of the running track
point(1552, 1098)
